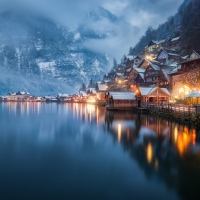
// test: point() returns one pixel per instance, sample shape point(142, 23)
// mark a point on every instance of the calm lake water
point(83, 152)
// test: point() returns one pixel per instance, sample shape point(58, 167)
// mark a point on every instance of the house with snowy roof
point(133, 74)
point(167, 57)
point(174, 42)
point(120, 100)
point(139, 80)
point(151, 74)
point(152, 95)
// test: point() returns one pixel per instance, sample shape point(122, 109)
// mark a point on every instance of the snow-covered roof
point(156, 67)
point(161, 41)
point(49, 97)
point(165, 90)
point(193, 94)
point(145, 91)
point(102, 87)
point(11, 94)
point(130, 57)
point(175, 69)
point(142, 75)
point(173, 54)
point(140, 70)
point(123, 95)
point(93, 90)
point(166, 72)
point(83, 93)
point(175, 39)
point(119, 74)
point(22, 93)
point(185, 57)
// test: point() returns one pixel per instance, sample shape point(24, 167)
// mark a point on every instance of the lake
point(83, 152)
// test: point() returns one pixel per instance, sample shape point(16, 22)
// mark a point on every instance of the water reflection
point(84, 146)
point(163, 149)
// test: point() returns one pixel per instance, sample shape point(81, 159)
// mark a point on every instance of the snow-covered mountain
point(43, 57)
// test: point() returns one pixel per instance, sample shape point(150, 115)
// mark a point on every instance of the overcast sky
point(140, 13)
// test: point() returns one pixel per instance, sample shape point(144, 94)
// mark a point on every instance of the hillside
point(186, 23)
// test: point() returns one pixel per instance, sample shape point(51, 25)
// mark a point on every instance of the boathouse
point(120, 100)
point(152, 96)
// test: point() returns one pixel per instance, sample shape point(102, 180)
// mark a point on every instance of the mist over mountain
point(42, 56)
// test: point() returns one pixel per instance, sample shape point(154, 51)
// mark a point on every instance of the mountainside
point(43, 57)
point(186, 23)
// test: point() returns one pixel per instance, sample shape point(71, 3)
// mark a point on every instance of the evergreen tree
point(114, 64)
point(96, 87)
point(83, 87)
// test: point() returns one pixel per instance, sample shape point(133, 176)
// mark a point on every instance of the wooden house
point(151, 74)
point(133, 74)
point(174, 42)
point(167, 57)
point(163, 78)
point(120, 100)
point(152, 96)
point(153, 46)
point(139, 80)
point(185, 78)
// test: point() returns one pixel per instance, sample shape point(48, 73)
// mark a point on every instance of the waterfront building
point(120, 100)
point(152, 96)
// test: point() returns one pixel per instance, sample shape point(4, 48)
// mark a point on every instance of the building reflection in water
point(163, 149)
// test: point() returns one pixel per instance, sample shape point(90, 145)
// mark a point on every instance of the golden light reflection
point(119, 133)
point(90, 108)
point(149, 153)
point(185, 139)
point(193, 136)
point(175, 134)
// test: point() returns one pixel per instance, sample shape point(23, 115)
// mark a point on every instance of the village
point(159, 76)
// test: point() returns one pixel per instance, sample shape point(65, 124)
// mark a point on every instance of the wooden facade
point(150, 75)
point(120, 100)
point(148, 96)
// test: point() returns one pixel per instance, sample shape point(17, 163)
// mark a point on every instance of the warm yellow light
point(175, 134)
point(176, 97)
point(90, 108)
point(149, 153)
point(119, 81)
point(119, 133)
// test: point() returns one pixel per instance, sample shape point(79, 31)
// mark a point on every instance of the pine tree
point(114, 64)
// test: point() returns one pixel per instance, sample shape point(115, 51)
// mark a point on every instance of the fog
point(138, 13)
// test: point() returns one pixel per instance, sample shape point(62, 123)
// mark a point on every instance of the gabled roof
point(136, 57)
point(197, 52)
point(185, 57)
point(140, 70)
point(193, 94)
point(123, 95)
point(141, 75)
point(166, 72)
point(145, 91)
point(83, 93)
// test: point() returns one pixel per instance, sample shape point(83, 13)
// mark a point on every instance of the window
point(153, 78)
